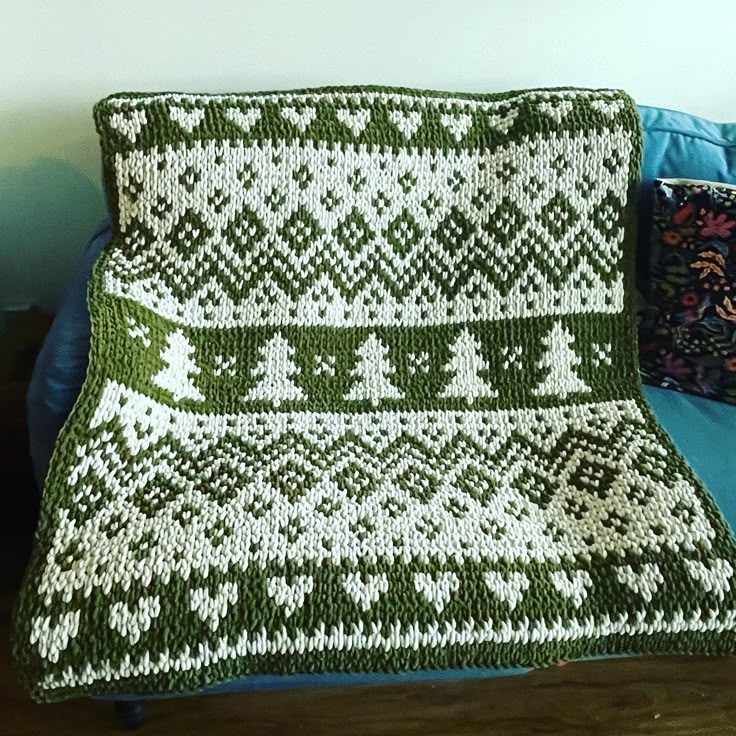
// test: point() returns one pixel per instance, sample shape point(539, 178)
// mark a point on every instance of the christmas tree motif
point(274, 373)
point(466, 364)
point(560, 361)
point(176, 375)
point(372, 374)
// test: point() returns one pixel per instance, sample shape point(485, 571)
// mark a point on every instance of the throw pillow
point(688, 330)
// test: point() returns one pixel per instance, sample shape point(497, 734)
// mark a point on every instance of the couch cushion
point(705, 433)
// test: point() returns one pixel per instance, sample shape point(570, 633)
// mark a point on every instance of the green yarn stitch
point(363, 396)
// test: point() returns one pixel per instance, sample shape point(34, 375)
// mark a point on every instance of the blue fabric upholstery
point(62, 362)
point(679, 146)
point(676, 145)
point(705, 433)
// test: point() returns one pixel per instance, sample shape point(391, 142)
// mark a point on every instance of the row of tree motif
point(373, 373)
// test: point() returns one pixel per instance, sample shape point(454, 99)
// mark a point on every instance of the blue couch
point(675, 145)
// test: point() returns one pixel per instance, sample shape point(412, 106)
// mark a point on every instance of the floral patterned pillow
point(687, 338)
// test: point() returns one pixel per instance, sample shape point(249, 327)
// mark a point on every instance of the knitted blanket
point(363, 396)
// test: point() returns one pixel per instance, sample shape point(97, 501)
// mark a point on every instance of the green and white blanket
point(363, 396)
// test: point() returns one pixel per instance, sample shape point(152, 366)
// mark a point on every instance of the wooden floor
point(672, 695)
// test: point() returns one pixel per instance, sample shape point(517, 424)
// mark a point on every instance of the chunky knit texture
point(363, 396)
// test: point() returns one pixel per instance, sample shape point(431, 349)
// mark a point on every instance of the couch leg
point(129, 713)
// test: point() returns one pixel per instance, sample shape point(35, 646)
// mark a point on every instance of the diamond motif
point(419, 483)
point(293, 480)
point(607, 217)
point(353, 233)
point(558, 216)
point(300, 231)
point(505, 220)
point(478, 483)
point(190, 233)
point(593, 475)
point(454, 231)
point(403, 233)
point(245, 230)
point(355, 481)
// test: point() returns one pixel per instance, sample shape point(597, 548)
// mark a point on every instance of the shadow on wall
point(48, 210)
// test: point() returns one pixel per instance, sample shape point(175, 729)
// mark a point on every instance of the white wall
point(57, 58)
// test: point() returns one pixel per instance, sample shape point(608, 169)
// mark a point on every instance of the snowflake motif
point(325, 365)
point(512, 357)
point(407, 181)
point(275, 199)
point(224, 365)
point(418, 362)
point(601, 354)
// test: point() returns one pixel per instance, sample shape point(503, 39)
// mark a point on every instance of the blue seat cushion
point(705, 433)
point(678, 146)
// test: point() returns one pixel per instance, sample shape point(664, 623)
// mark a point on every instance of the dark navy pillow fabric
point(687, 332)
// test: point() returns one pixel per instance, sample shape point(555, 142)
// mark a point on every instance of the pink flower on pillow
point(717, 226)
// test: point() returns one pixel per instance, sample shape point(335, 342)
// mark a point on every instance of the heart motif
point(714, 577)
point(509, 588)
point(503, 123)
point(458, 125)
point(244, 119)
point(437, 589)
point(129, 124)
point(187, 119)
point(212, 608)
point(573, 585)
point(365, 592)
point(356, 120)
point(54, 639)
point(556, 110)
point(645, 581)
point(407, 122)
point(132, 623)
point(290, 595)
point(608, 107)
point(301, 118)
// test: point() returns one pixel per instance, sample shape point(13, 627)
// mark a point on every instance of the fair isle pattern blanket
point(363, 396)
